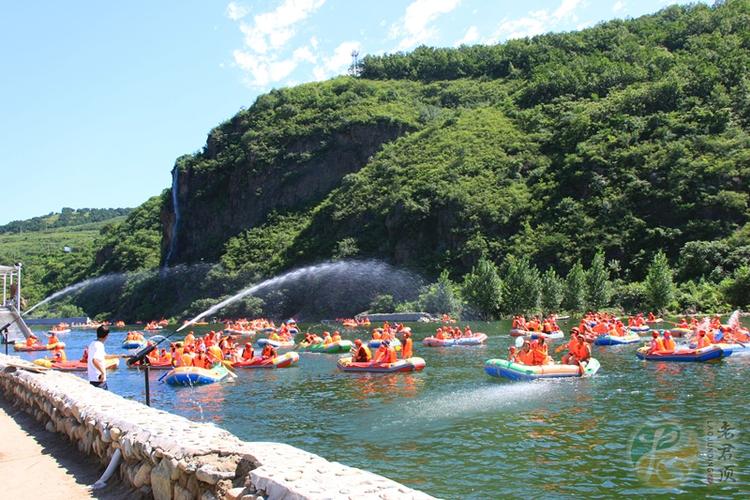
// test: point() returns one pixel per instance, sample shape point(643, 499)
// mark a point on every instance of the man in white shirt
point(96, 367)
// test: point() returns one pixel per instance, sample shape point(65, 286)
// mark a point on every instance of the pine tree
point(575, 289)
point(482, 289)
point(660, 288)
point(552, 291)
point(597, 283)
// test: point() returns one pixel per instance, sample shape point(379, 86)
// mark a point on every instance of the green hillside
point(616, 146)
point(53, 258)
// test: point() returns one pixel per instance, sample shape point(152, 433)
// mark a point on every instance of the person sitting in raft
point(52, 340)
point(189, 339)
point(165, 358)
point(539, 353)
point(31, 340)
point(703, 340)
point(376, 334)
point(336, 336)
point(85, 355)
point(274, 336)
point(362, 353)
point(657, 345)
point(153, 356)
point(58, 355)
point(327, 338)
point(269, 352)
point(651, 316)
point(390, 353)
point(524, 356)
point(571, 346)
point(683, 323)
point(668, 342)
point(247, 352)
point(407, 350)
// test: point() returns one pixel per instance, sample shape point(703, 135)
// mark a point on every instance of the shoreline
point(170, 457)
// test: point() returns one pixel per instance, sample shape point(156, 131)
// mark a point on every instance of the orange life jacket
point(669, 344)
point(407, 349)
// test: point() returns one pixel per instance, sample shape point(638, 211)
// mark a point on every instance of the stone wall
point(166, 456)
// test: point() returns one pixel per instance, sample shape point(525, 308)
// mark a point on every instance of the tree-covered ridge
point(588, 169)
point(67, 217)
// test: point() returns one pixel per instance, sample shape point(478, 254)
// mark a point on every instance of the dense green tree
point(597, 283)
point(382, 303)
point(482, 290)
point(659, 285)
point(553, 290)
point(441, 297)
point(521, 286)
point(737, 288)
point(574, 297)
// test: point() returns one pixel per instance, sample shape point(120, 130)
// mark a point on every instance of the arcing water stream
point(375, 272)
point(77, 286)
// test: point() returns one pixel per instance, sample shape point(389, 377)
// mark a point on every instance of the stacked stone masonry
point(166, 456)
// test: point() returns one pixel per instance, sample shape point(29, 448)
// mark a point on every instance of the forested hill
point(65, 218)
point(630, 137)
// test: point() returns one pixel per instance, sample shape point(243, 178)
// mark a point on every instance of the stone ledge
point(169, 457)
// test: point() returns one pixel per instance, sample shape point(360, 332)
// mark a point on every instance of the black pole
point(148, 388)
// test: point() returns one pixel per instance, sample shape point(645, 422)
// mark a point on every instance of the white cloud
point(536, 22)
point(272, 30)
point(265, 54)
point(338, 62)
point(414, 28)
point(235, 11)
point(471, 36)
point(618, 6)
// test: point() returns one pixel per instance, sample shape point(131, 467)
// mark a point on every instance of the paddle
point(228, 365)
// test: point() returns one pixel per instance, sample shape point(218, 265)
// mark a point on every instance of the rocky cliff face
point(216, 204)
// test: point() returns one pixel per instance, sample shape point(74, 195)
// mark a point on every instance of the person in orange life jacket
point(668, 342)
point(390, 353)
point(247, 352)
point(58, 355)
point(408, 348)
point(657, 345)
point(703, 340)
point(361, 352)
point(572, 347)
point(269, 352)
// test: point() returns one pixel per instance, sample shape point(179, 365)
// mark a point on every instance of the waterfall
point(176, 208)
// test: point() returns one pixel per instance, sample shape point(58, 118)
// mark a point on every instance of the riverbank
point(170, 457)
point(42, 463)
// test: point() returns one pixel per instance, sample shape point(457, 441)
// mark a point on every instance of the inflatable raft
point(639, 329)
point(630, 338)
point(402, 365)
point(476, 339)
point(709, 353)
point(278, 344)
point(191, 375)
point(375, 343)
point(284, 361)
point(515, 371)
point(60, 331)
point(556, 335)
point(680, 332)
point(75, 366)
point(338, 347)
point(517, 332)
point(242, 333)
point(133, 344)
point(734, 349)
point(22, 347)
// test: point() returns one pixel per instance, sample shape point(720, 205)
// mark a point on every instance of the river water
point(637, 428)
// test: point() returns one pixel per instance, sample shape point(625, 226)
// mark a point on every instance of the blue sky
point(98, 98)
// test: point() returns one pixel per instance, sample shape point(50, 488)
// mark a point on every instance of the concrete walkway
point(35, 463)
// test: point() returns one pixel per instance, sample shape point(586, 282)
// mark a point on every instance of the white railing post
point(5, 287)
point(18, 289)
